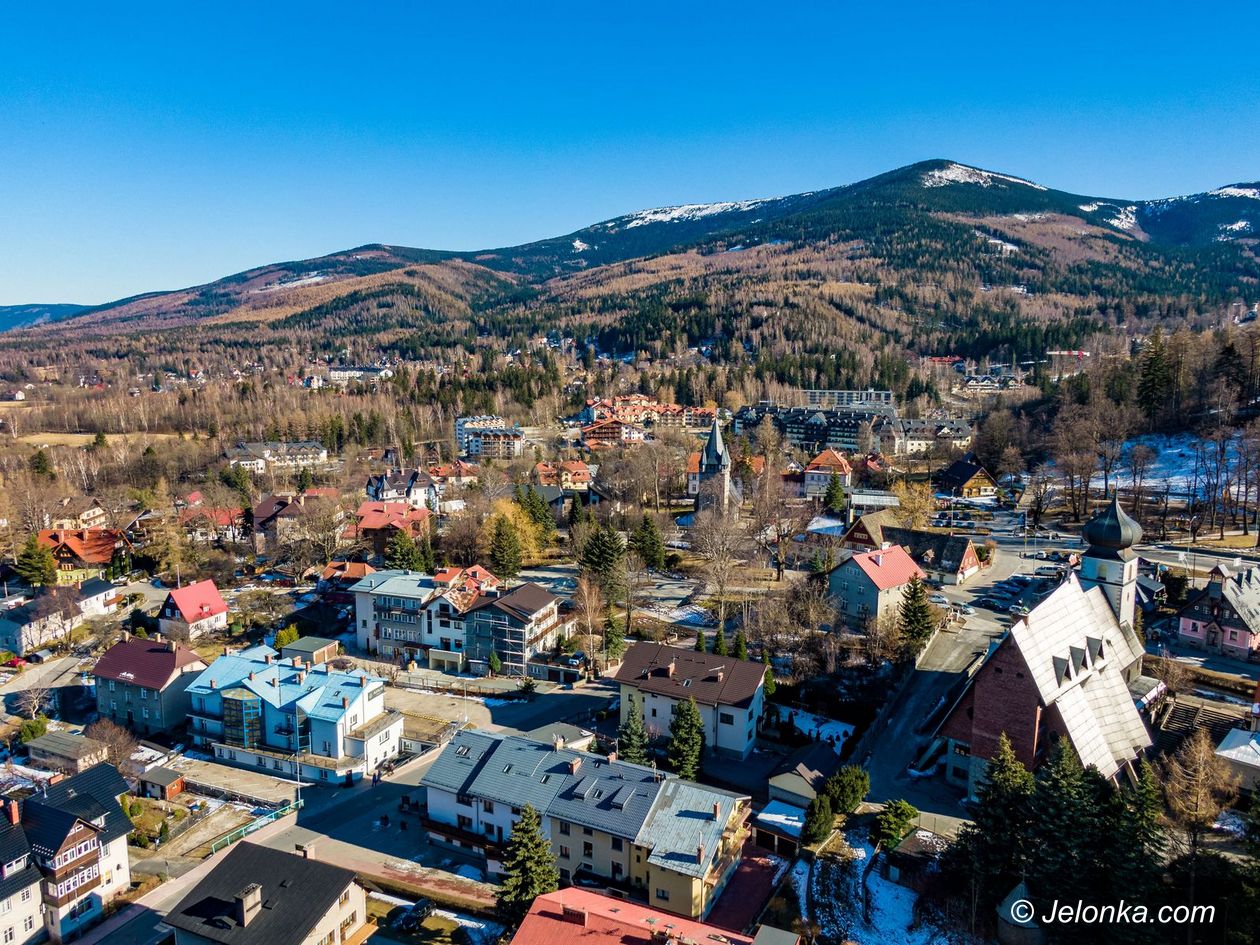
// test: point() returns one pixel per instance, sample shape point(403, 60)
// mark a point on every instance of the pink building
point(1224, 617)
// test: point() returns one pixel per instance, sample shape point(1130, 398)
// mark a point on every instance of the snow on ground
point(824, 728)
point(1238, 226)
point(1174, 463)
point(580, 247)
point(1250, 192)
point(1232, 823)
point(385, 897)
point(479, 931)
point(686, 615)
point(689, 211)
point(468, 871)
point(1089, 207)
point(799, 878)
point(1125, 218)
point(962, 174)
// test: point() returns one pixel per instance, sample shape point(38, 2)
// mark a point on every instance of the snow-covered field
point(686, 615)
point(1174, 464)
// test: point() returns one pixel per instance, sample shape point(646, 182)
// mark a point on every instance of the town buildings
point(714, 489)
point(258, 457)
point(465, 427)
point(415, 487)
point(571, 475)
point(261, 896)
point(846, 428)
point(822, 468)
point(903, 436)
point(67, 753)
point(870, 585)
point(966, 479)
point(287, 517)
point(376, 523)
point(612, 432)
point(255, 709)
point(193, 611)
point(143, 684)
point(729, 693)
point(1224, 617)
point(21, 899)
point(83, 553)
point(947, 559)
point(30, 624)
point(672, 843)
point(496, 444)
point(518, 625)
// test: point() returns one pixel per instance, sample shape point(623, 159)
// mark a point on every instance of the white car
point(939, 599)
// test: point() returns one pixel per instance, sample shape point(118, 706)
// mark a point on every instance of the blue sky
point(171, 144)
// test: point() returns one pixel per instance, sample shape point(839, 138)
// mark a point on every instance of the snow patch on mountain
point(580, 247)
point(688, 211)
point(1252, 193)
point(1238, 226)
point(1125, 218)
point(1089, 207)
point(962, 174)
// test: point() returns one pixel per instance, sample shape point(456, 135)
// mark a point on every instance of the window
point(111, 685)
point(588, 849)
point(29, 923)
point(653, 712)
point(487, 807)
point(617, 843)
point(144, 693)
point(26, 894)
point(9, 934)
point(726, 718)
point(587, 832)
point(344, 897)
point(564, 828)
point(663, 894)
point(463, 821)
point(564, 852)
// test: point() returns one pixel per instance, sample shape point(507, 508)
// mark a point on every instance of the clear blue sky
point(156, 147)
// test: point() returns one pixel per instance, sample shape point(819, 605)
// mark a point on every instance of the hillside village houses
point(286, 517)
point(142, 684)
point(28, 625)
point(415, 487)
point(407, 616)
point(376, 523)
point(571, 475)
point(729, 692)
point(257, 710)
point(83, 553)
point(670, 842)
point(966, 479)
point(870, 585)
point(76, 512)
point(821, 469)
point(192, 611)
point(1224, 617)
point(641, 410)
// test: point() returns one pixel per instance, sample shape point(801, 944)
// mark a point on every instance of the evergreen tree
point(601, 558)
point(305, 481)
point(819, 820)
point(495, 663)
point(41, 465)
point(1155, 380)
point(686, 741)
point(741, 645)
point(401, 553)
point(915, 617)
point(833, 498)
point(648, 543)
point(990, 854)
point(505, 550)
point(529, 866)
point(425, 559)
point(770, 685)
point(614, 641)
point(719, 643)
point(701, 645)
point(1058, 863)
point(847, 788)
point(893, 822)
point(36, 564)
point(99, 442)
point(632, 741)
point(286, 636)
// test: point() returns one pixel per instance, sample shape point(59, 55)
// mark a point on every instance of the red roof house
point(870, 585)
point(141, 684)
point(193, 610)
point(579, 915)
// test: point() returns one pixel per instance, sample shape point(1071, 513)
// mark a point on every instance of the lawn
point(83, 439)
point(435, 930)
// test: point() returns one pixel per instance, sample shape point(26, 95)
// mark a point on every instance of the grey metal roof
point(307, 645)
point(684, 830)
point(66, 745)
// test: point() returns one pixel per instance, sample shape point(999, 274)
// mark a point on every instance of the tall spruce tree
point(741, 644)
point(601, 558)
point(648, 543)
point(1155, 379)
point(632, 740)
point(833, 498)
point(915, 617)
point(505, 550)
point(770, 685)
point(529, 866)
point(701, 644)
point(820, 820)
point(686, 741)
point(35, 564)
point(401, 553)
point(719, 643)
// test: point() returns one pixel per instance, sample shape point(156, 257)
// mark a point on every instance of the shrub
point(847, 788)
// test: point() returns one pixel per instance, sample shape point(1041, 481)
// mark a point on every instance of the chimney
point(251, 675)
point(11, 808)
point(297, 662)
point(267, 658)
point(301, 677)
point(577, 916)
point(700, 853)
point(363, 680)
point(170, 646)
point(345, 702)
point(214, 684)
point(248, 904)
point(574, 765)
point(669, 670)
point(717, 810)
point(307, 849)
point(612, 756)
point(126, 637)
point(158, 637)
point(721, 674)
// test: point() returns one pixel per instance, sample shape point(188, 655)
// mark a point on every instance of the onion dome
point(1112, 528)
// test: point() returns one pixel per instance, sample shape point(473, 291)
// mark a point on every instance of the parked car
point(1049, 570)
point(416, 913)
point(939, 599)
point(966, 610)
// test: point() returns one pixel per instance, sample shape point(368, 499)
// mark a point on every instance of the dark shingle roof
point(146, 663)
point(88, 795)
point(296, 894)
point(936, 550)
point(14, 846)
point(708, 678)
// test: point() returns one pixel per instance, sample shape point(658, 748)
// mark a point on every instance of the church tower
point(1110, 562)
point(715, 472)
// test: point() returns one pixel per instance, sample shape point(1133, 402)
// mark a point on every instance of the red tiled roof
point(346, 570)
point(579, 915)
point(376, 515)
point(147, 663)
point(223, 517)
point(829, 459)
point(198, 601)
point(693, 464)
point(89, 545)
point(889, 568)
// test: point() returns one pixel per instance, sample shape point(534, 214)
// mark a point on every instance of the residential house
point(193, 611)
point(670, 842)
point(287, 517)
point(1240, 750)
point(729, 693)
point(376, 524)
point(161, 784)
point(867, 531)
point(65, 752)
point(1224, 617)
point(870, 585)
point(83, 553)
point(346, 374)
point(821, 469)
point(844, 428)
point(143, 684)
point(77, 833)
point(338, 577)
point(408, 616)
point(75, 512)
point(27, 625)
point(254, 709)
point(582, 915)
point(205, 524)
point(496, 444)
point(966, 479)
point(517, 624)
point(949, 559)
point(901, 436)
point(1061, 671)
point(261, 896)
point(571, 475)
point(258, 457)
point(21, 899)
point(458, 473)
point(415, 487)
point(800, 776)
